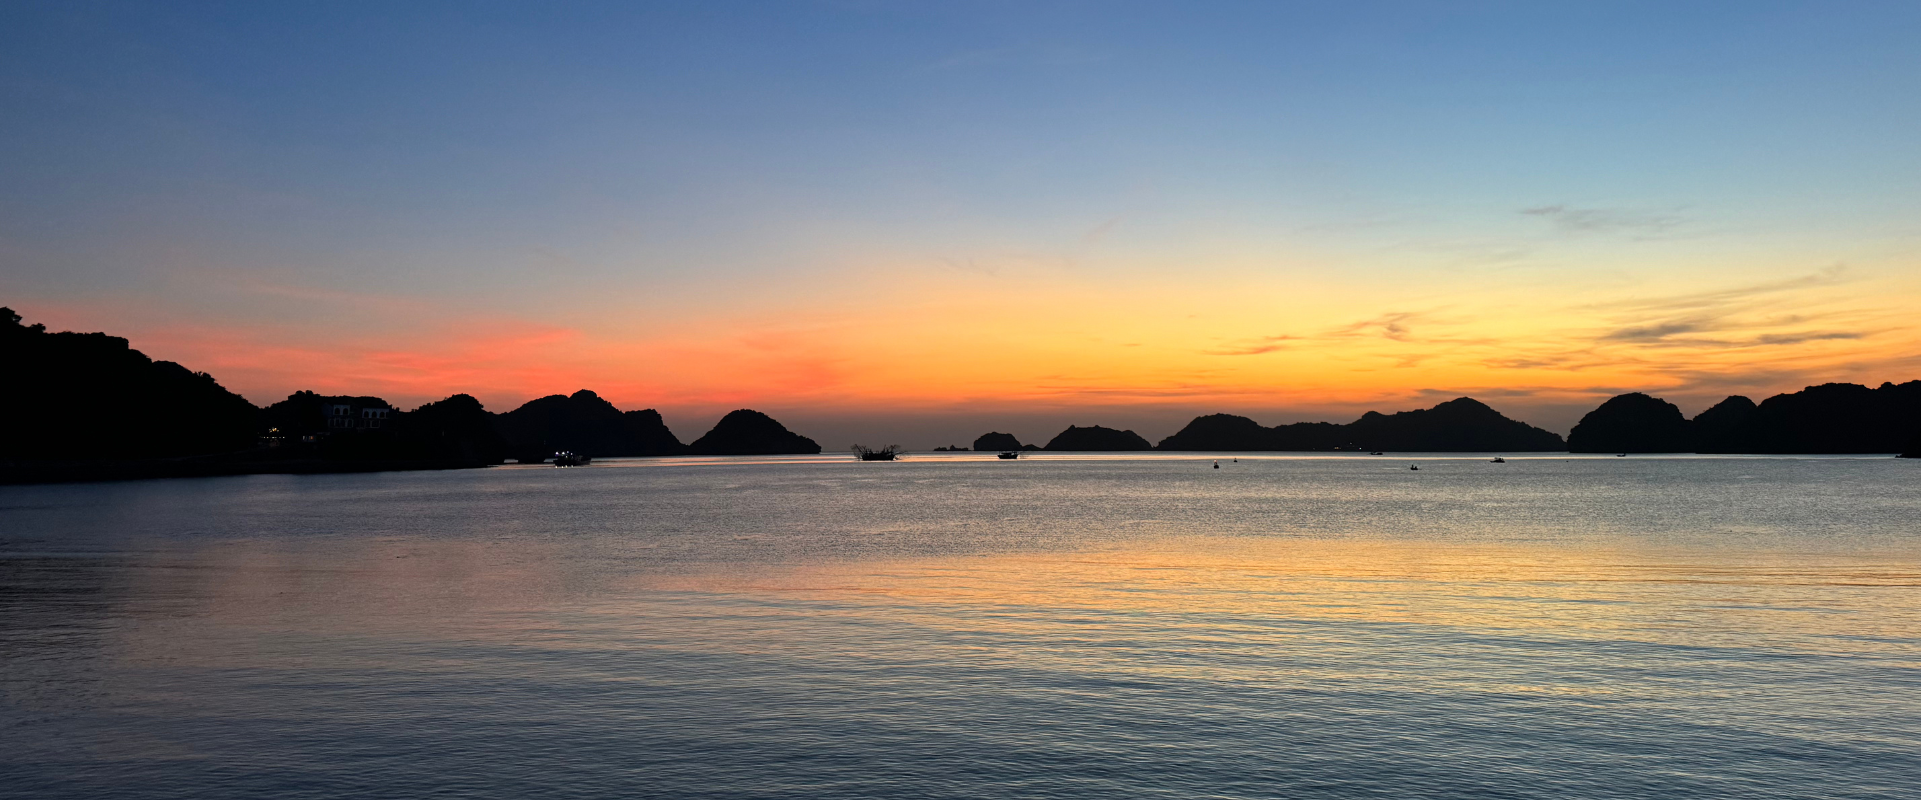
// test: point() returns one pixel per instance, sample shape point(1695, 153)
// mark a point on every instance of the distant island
point(106, 411)
point(1459, 425)
point(1096, 439)
point(103, 410)
point(1830, 418)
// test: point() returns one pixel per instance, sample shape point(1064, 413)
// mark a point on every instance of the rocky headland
point(751, 433)
point(1095, 438)
point(1460, 425)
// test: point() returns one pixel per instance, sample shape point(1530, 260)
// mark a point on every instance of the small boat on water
point(1415, 468)
point(569, 458)
point(1375, 453)
point(1217, 465)
point(1010, 455)
point(884, 454)
point(1498, 460)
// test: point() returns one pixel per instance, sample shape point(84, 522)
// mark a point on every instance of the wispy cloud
point(1255, 347)
point(1395, 325)
point(1657, 332)
point(1099, 232)
point(972, 265)
point(1737, 317)
point(1831, 275)
point(1637, 224)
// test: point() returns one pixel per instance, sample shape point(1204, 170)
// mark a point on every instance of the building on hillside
point(355, 413)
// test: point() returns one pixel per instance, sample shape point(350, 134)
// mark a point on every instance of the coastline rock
point(1632, 423)
point(1312, 436)
point(586, 424)
point(1459, 425)
point(1830, 418)
point(998, 442)
point(91, 396)
point(1714, 428)
point(650, 435)
point(751, 433)
point(1220, 432)
point(458, 427)
point(1097, 438)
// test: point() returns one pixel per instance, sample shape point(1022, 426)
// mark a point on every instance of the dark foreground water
point(1098, 628)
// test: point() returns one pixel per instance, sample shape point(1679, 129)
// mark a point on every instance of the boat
point(884, 454)
point(1415, 468)
point(1498, 460)
point(569, 458)
point(1375, 453)
point(1010, 454)
point(1217, 465)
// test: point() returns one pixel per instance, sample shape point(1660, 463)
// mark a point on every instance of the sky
point(916, 222)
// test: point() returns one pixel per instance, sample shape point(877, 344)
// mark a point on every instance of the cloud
point(1255, 347)
point(1100, 231)
point(1810, 336)
point(1741, 316)
point(1568, 220)
point(1657, 332)
point(969, 265)
point(1392, 325)
point(1830, 275)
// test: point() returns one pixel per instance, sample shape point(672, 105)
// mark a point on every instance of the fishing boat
point(1498, 460)
point(569, 458)
point(883, 454)
point(1009, 455)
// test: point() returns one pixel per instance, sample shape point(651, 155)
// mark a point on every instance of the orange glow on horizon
point(927, 342)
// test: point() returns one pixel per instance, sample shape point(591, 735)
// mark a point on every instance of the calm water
point(942, 628)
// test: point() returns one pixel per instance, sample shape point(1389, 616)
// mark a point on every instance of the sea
point(958, 626)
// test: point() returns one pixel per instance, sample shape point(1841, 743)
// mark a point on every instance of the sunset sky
point(916, 222)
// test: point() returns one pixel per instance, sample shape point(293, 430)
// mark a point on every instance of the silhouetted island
point(751, 433)
point(92, 396)
point(1633, 423)
point(1715, 429)
point(586, 424)
point(1829, 418)
point(122, 415)
point(1097, 438)
point(457, 427)
point(118, 414)
point(1222, 432)
point(996, 442)
point(1459, 425)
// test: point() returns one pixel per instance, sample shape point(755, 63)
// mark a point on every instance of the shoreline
point(147, 469)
